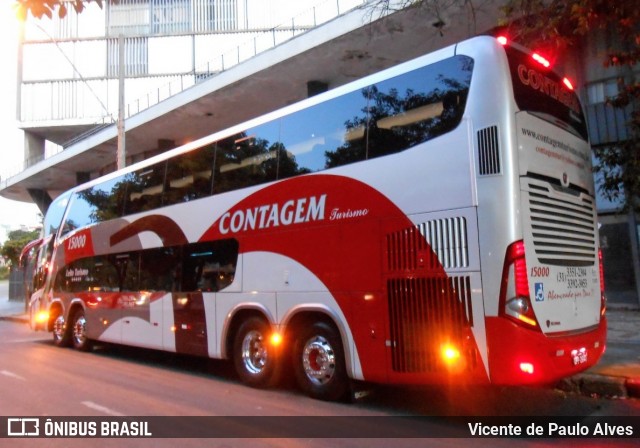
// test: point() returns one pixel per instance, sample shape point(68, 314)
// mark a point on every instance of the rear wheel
point(79, 332)
point(318, 362)
point(255, 359)
point(61, 334)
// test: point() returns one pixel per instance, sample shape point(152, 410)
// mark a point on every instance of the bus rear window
point(541, 92)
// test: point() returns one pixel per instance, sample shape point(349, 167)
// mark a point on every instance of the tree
point(41, 8)
point(560, 25)
point(17, 240)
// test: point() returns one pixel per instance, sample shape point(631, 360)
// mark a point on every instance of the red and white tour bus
point(431, 223)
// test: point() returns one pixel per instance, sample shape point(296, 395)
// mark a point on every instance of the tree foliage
point(42, 8)
point(17, 240)
point(560, 25)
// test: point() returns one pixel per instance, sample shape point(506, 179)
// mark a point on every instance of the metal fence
point(16, 285)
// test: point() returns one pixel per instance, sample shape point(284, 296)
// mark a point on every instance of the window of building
point(598, 92)
point(170, 16)
point(136, 57)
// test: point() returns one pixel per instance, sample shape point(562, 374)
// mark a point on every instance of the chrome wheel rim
point(79, 331)
point(58, 328)
point(319, 360)
point(254, 352)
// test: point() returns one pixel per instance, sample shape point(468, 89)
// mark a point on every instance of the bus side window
point(189, 176)
point(210, 266)
point(144, 189)
point(326, 135)
point(128, 270)
point(159, 269)
point(248, 158)
point(417, 106)
point(99, 203)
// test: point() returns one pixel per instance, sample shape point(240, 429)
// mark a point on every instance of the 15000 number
point(539, 271)
point(77, 242)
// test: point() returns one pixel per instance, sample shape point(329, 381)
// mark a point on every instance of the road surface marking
point(99, 408)
point(12, 375)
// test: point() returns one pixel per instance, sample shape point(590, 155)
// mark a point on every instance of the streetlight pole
point(121, 158)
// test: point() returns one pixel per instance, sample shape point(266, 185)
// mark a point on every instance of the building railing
point(169, 86)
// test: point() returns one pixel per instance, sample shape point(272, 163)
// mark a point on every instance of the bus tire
point(318, 363)
point(255, 360)
point(60, 331)
point(79, 332)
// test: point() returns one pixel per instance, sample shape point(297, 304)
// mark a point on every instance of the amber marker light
point(450, 354)
point(42, 316)
point(276, 339)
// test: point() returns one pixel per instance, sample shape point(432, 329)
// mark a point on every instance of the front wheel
point(318, 361)
point(254, 358)
point(79, 332)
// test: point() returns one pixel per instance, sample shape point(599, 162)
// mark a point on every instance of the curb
point(590, 384)
point(18, 319)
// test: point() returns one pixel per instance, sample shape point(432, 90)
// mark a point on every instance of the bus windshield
point(541, 92)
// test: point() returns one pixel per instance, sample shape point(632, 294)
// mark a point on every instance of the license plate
point(579, 356)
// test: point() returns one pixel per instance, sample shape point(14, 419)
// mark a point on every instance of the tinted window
point(95, 274)
point(209, 266)
point(159, 269)
point(100, 203)
point(248, 158)
point(144, 189)
point(380, 119)
point(206, 267)
point(377, 120)
point(189, 176)
point(417, 106)
point(542, 92)
point(54, 214)
point(127, 268)
point(327, 134)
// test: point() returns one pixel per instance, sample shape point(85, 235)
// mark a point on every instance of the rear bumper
point(520, 356)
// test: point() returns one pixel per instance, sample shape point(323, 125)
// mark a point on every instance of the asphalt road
point(38, 379)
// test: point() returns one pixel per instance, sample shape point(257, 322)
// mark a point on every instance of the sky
point(13, 214)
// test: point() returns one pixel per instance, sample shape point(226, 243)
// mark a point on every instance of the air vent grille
point(489, 151)
point(562, 226)
point(424, 312)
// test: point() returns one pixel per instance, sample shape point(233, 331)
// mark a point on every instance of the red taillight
point(502, 40)
point(603, 297)
point(541, 60)
point(515, 302)
point(567, 83)
point(520, 269)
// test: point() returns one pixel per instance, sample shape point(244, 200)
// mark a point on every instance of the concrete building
point(192, 67)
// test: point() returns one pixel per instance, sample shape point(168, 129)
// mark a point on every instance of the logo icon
point(539, 288)
point(23, 427)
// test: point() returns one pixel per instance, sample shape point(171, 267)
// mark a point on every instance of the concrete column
point(41, 198)
point(33, 149)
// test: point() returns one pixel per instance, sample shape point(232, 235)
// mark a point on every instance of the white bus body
point(434, 222)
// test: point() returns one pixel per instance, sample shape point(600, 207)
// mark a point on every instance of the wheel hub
point(58, 327)
point(79, 330)
point(318, 360)
point(254, 352)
